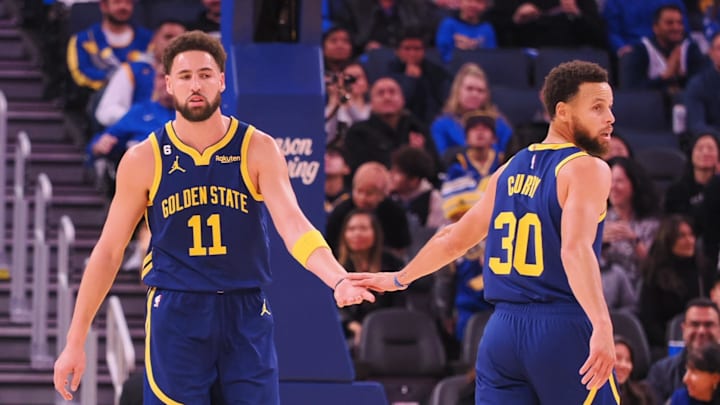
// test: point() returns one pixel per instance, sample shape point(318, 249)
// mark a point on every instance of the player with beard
point(205, 182)
point(550, 340)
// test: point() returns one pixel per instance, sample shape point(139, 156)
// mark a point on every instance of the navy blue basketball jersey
point(208, 222)
point(523, 242)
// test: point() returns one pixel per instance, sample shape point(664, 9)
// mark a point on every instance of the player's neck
point(201, 134)
point(558, 134)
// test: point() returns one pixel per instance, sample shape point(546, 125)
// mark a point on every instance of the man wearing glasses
point(700, 327)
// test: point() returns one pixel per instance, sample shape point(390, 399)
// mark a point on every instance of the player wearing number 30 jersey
point(550, 339)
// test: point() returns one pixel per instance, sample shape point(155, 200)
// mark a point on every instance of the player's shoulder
point(582, 162)
point(143, 153)
point(585, 170)
point(260, 141)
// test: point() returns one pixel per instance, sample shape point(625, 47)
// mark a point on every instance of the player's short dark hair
point(563, 82)
point(194, 41)
point(413, 162)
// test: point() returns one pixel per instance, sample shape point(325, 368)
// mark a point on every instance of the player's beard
point(197, 114)
point(594, 146)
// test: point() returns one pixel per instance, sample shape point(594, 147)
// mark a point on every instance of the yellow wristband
point(306, 244)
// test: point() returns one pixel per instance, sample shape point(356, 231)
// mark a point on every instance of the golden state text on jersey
point(208, 222)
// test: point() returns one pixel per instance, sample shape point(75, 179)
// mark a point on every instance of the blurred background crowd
point(424, 100)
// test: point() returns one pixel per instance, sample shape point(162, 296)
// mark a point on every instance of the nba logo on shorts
point(156, 301)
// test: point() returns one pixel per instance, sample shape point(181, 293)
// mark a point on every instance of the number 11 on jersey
point(216, 248)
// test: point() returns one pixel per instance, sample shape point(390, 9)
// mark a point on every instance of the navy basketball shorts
point(532, 354)
point(197, 340)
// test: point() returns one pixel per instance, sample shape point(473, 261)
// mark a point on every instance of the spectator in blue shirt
point(93, 54)
point(133, 82)
point(137, 124)
point(470, 91)
point(701, 378)
point(466, 30)
point(628, 21)
point(666, 59)
point(701, 95)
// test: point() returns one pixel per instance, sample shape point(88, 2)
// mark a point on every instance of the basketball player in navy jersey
point(205, 183)
point(550, 340)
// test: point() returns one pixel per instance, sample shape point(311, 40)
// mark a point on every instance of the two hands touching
point(355, 287)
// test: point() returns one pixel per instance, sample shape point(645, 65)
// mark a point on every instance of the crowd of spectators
point(411, 142)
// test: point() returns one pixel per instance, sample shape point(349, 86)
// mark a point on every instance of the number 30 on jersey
point(515, 243)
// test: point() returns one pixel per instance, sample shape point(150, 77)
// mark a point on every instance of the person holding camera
point(347, 102)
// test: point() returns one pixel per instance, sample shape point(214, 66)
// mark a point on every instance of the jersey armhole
point(567, 159)
point(244, 170)
point(157, 172)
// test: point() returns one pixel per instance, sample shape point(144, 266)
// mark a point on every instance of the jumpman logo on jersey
point(264, 310)
point(176, 166)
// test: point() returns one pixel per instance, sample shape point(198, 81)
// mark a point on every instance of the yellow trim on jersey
point(73, 62)
point(550, 146)
point(202, 159)
point(146, 266)
point(591, 396)
point(244, 170)
point(146, 269)
point(147, 259)
point(613, 388)
point(463, 162)
point(148, 364)
point(567, 159)
point(602, 216)
point(157, 175)
point(126, 67)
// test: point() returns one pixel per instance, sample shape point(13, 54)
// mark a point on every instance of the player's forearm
point(444, 247)
point(322, 263)
point(96, 282)
point(583, 275)
point(308, 246)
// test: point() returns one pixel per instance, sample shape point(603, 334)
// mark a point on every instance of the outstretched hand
point(70, 362)
point(347, 293)
point(381, 282)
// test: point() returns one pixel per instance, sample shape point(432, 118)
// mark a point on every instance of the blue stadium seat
point(473, 333)
point(628, 326)
point(156, 11)
point(674, 327)
point(83, 15)
point(519, 105)
point(641, 109)
point(505, 67)
point(402, 350)
point(376, 62)
point(640, 139)
point(664, 164)
point(548, 58)
point(451, 389)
